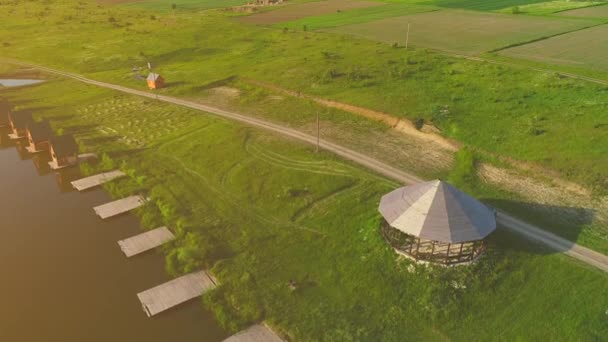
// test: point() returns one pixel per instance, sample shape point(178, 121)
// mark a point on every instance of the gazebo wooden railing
point(432, 251)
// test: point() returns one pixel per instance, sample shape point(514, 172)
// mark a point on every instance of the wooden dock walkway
point(96, 180)
point(175, 292)
point(119, 207)
point(255, 333)
point(146, 241)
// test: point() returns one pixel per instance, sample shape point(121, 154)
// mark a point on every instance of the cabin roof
point(64, 145)
point(5, 109)
point(40, 131)
point(21, 119)
point(437, 211)
point(153, 77)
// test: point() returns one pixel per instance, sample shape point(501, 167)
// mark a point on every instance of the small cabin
point(5, 109)
point(64, 152)
point(18, 122)
point(39, 135)
point(155, 81)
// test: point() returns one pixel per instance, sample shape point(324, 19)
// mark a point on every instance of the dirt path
point(553, 241)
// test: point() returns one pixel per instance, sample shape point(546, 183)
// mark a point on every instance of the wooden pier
point(96, 180)
point(119, 207)
point(255, 333)
point(14, 136)
point(146, 241)
point(175, 292)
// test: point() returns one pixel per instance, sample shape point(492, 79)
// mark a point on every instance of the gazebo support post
point(432, 249)
point(447, 254)
point(460, 253)
point(417, 249)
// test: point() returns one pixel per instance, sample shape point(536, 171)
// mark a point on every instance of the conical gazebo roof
point(437, 211)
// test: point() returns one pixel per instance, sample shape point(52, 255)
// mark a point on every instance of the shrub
point(464, 172)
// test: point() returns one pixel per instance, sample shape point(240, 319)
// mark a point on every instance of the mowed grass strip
point(589, 12)
point(571, 49)
point(295, 12)
point(463, 32)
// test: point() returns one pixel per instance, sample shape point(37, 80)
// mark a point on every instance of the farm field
point(551, 7)
point(570, 49)
point(287, 223)
point(298, 11)
point(357, 16)
point(161, 5)
point(482, 5)
point(590, 12)
point(463, 32)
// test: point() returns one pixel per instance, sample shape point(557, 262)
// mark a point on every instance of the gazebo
point(436, 223)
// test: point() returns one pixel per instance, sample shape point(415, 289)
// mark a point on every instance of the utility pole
point(407, 37)
point(318, 132)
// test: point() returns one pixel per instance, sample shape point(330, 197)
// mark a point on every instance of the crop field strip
point(588, 12)
point(464, 32)
point(570, 49)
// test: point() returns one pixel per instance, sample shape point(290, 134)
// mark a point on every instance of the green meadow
point(262, 212)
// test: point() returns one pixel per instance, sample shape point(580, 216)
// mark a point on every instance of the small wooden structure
point(175, 292)
point(437, 223)
point(18, 122)
point(255, 333)
point(145, 241)
point(64, 152)
point(39, 136)
point(96, 180)
point(5, 109)
point(118, 207)
point(155, 81)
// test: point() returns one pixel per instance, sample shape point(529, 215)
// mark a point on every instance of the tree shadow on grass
point(563, 221)
point(123, 153)
point(79, 129)
point(215, 84)
point(100, 140)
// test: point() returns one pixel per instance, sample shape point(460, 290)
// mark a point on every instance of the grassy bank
point(262, 212)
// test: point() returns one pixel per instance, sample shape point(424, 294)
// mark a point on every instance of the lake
point(64, 276)
point(16, 82)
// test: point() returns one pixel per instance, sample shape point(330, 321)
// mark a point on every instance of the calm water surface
point(64, 277)
point(15, 82)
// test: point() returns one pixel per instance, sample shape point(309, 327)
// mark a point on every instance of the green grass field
point(464, 32)
point(569, 49)
point(262, 211)
point(509, 112)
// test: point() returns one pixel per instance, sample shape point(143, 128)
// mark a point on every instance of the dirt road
point(552, 241)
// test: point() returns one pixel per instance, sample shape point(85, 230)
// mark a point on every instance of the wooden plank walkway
point(119, 207)
point(96, 180)
point(146, 241)
point(175, 292)
point(255, 333)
